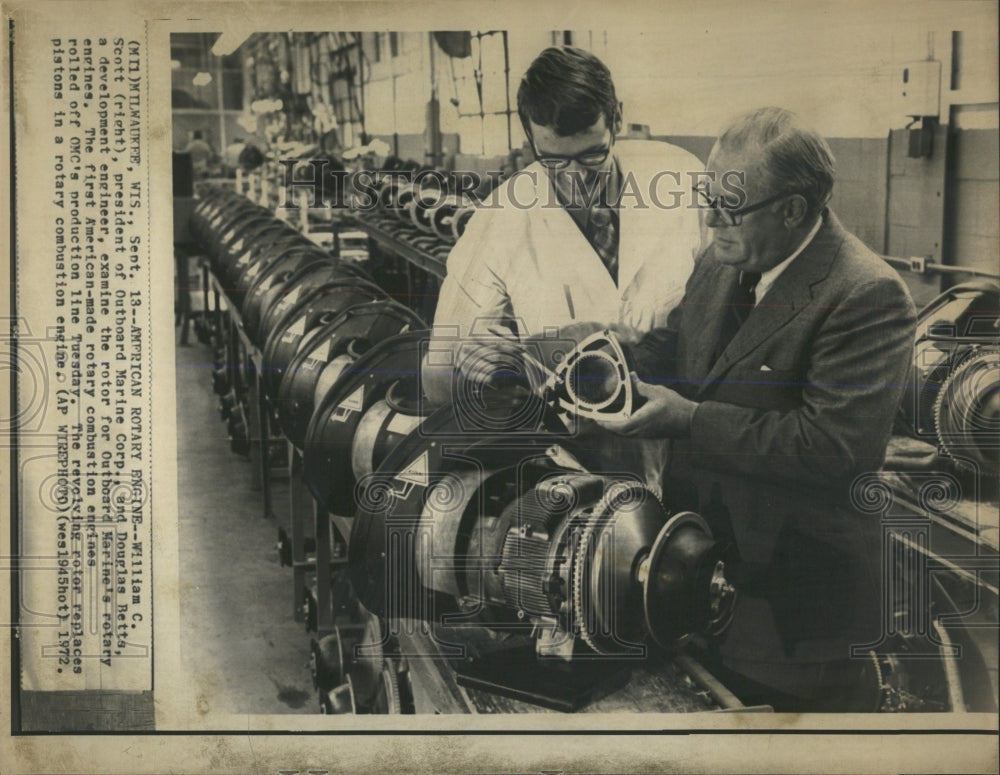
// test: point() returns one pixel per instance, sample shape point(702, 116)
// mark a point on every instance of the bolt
point(642, 572)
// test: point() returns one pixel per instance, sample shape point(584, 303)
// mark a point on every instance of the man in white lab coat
point(595, 231)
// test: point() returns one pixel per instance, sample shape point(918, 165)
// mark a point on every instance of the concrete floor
point(241, 646)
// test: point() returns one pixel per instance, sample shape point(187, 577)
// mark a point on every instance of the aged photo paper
point(129, 126)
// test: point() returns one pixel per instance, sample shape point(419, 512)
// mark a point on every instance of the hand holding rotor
point(663, 413)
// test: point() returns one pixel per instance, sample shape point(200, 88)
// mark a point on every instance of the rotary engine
point(579, 556)
point(524, 540)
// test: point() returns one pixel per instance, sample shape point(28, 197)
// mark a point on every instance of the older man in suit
point(778, 378)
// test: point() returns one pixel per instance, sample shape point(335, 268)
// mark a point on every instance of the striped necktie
point(602, 233)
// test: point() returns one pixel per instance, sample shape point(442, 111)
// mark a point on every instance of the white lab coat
point(532, 263)
point(523, 257)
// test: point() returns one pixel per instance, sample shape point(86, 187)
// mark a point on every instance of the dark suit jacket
point(796, 407)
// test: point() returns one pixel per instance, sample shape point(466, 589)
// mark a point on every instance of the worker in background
point(201, 153)
point(588, 232)
point(778, 378)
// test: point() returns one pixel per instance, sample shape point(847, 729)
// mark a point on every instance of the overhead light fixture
point(202, 79)
point(228, 42)
point(175, 64)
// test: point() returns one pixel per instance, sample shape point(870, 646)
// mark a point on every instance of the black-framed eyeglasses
point(733, 216)
point(588, 158)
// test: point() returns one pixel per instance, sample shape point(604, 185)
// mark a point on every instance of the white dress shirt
point(767, 278)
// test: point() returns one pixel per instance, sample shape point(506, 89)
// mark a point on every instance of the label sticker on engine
point(297, 329)
point(415, 472)
point(322, 353)
point(353, 403)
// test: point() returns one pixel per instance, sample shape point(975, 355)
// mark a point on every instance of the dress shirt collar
point(767, 278)
point(609, 194)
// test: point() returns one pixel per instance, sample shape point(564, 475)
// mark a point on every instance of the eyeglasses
point(733, 216)
point(588, 158)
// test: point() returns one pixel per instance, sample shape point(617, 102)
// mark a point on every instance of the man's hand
point(665, 414)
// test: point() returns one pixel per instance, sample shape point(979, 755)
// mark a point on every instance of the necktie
point(741, 303)
point(602, 233)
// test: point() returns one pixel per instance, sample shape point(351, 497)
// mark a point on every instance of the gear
point(602, 579)
point(389, 699)
point(580, 570)
point(967, 412)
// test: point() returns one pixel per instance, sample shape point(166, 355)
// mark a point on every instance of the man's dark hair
point(250, 157)
point(566, 89)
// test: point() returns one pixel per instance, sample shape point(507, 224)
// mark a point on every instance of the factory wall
point(690, 76)
point(972, 236)
point(842, 73)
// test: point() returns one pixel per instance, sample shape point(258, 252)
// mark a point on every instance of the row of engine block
point(295, 318)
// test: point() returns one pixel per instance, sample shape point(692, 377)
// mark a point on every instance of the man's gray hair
point(793, 157)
